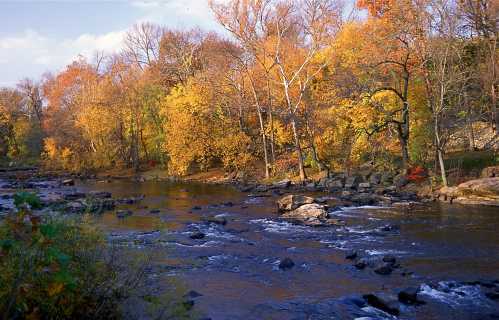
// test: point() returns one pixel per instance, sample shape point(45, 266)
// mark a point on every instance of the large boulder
point(474, 192)
point(283, 184)
point(353, 182)
point(334, 185)
point(490, 172)
point(308, 213)
point(292, 202)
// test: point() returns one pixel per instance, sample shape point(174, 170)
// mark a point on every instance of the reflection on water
point(235, 266)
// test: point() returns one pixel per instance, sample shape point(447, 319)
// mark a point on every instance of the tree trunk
point(271, 120)
point(493, 98)
point(439, 146)
point(264, 142)
point(405, 126)
point(262, 129)
point(471, 136)
point(299, 152)
point(442, 167)
point(403, 147)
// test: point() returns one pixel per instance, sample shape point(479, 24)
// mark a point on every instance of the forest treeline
point(291, 84)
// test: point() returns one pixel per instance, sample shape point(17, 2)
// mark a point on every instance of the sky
point(40, 36)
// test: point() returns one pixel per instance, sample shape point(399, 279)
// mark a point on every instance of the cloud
point(179, 14)
point(32, 54)
point(146, 4)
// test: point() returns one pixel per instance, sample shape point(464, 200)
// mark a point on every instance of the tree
point(142, 44)
point(392, 35)
point(480, 20)
point(287, 36)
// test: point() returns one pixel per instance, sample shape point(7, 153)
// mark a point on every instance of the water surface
point(235, 267)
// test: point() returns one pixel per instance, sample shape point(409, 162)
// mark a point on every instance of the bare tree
point(142, 44)
point(33, 101)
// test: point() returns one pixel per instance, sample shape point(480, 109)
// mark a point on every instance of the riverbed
point(442, 250)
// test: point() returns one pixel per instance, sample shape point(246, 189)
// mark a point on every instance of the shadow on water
point(235, 266)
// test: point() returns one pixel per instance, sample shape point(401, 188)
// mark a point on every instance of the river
point(442, 250)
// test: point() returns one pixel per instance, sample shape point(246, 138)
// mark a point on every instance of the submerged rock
point(123, 213)
point(286, 264)
point(192, 295)
point(216, 220)
point(409, 296)
point(389, 259)
point(197, 235)
point(131, 200)
point(74, 195)
point(383, 302)
point(361, 264)
point(384, 270)
point(351, 255)
point(100, 194)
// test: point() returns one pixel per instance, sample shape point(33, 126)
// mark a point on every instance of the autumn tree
point(288, 37)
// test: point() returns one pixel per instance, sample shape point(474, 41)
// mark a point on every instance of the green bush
point(59, 268)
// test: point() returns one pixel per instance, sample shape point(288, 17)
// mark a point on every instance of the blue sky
point(40, 36)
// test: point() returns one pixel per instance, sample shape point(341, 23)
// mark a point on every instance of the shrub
point(417, 174)
point(59, 268)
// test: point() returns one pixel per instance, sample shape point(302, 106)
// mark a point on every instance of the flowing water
point(235, 266)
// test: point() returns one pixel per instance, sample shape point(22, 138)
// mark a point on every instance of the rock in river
point(410, 296)
point(351, 255)
point(307, 213)
point(286, 264)
point(123, 213)
point(197, 235)
point(384, 269)
point(292, 202)
point(216, 220)
point(383, 302)
point(68, 182)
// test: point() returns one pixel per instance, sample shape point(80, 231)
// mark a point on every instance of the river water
point(235, 266)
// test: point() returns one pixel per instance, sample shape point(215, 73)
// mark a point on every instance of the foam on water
point(453, 294)
point(280, 226)
point(375, 252)
point(207, 244)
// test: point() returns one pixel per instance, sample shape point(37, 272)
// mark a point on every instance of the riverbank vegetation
point(56, 267)
point(291, 88)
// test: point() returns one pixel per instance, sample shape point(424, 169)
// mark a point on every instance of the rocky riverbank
point(484, 191)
